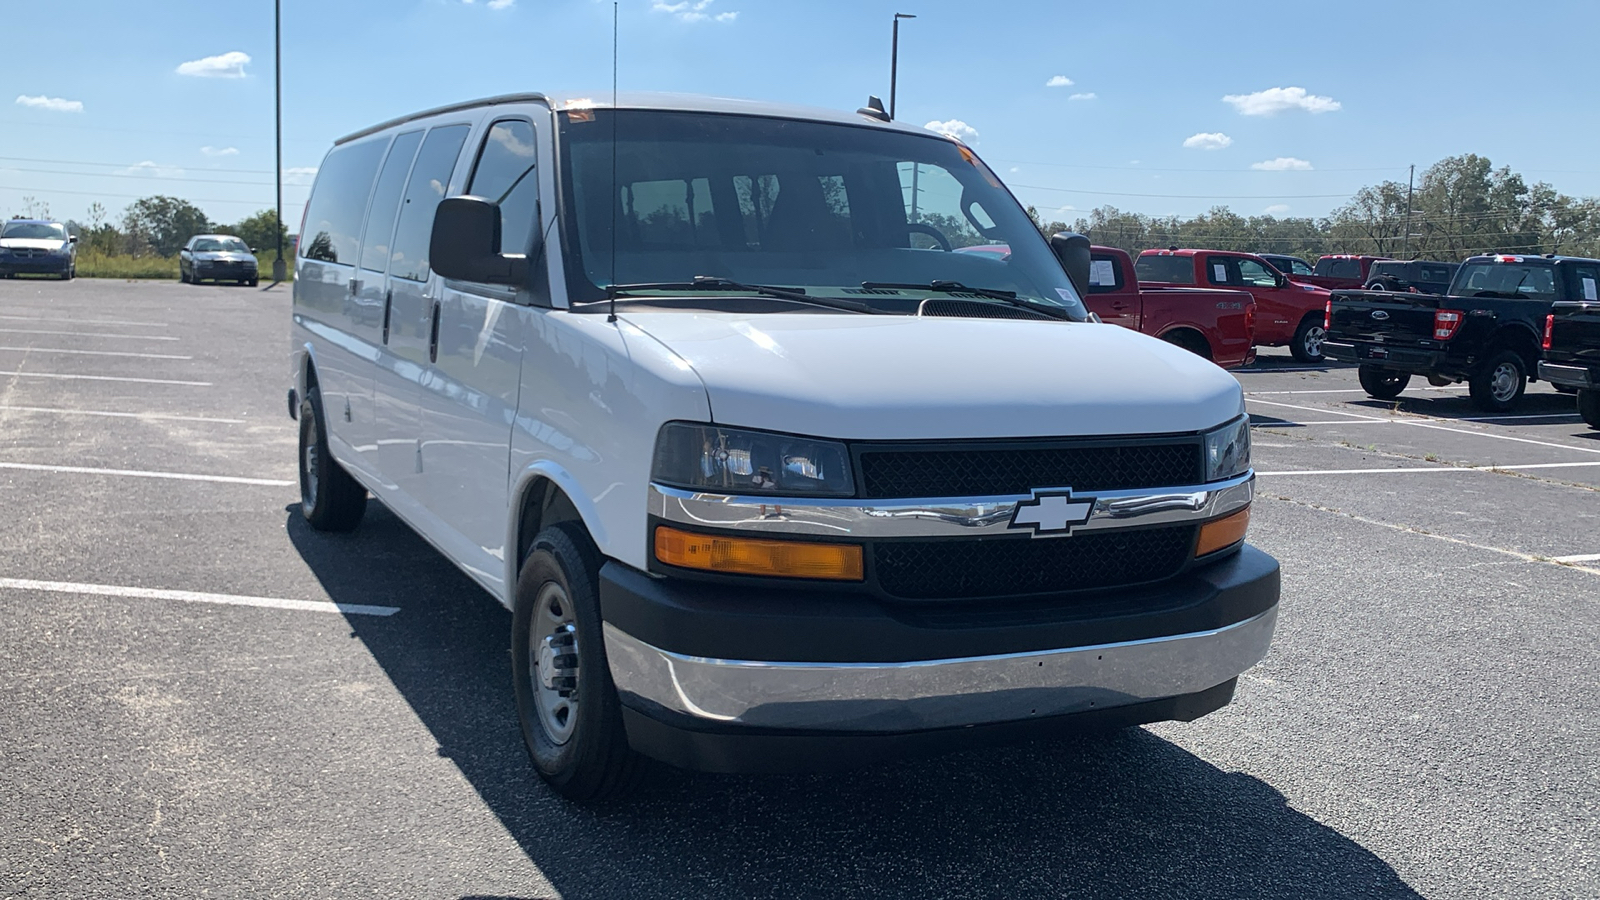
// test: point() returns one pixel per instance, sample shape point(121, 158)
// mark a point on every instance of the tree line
point(159, 226)
point(1461, 205)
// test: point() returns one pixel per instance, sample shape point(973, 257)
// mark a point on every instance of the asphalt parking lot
point(200, 696)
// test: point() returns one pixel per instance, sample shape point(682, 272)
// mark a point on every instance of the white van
point(770, 478)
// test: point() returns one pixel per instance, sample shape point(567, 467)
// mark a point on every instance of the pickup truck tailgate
point(1575, 332)
point(1383, 316)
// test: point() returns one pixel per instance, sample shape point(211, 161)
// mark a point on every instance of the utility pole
point(279, 269)
point(894, 59)
point(1405, 241)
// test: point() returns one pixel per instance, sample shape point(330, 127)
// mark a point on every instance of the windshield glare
point(819, 207)
point(1501, 280)
point(220, 245)
point(46, 231)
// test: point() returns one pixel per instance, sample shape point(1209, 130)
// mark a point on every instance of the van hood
point(32, 243)
point(867, 377)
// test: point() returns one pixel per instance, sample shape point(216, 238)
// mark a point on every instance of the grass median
point(156, 268)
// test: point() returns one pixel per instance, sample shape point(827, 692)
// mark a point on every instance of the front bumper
point(711, 677)
point(1582, 377)
point(35, 265)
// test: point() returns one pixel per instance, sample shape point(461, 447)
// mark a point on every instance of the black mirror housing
point(466, 240)
point(1073, 251)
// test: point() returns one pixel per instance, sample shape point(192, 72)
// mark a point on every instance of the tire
point(1589, 406)
point(1190, 341)
point(1383, 384)
point(571, 724)
point(1307, 344)
point(1376, 286)
point(1499, 383)
point(254, 281)
point(329, 498)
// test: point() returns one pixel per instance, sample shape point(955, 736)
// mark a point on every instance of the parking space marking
point(1495, 468)
point(1350, 391)
point(97, 352)
point(141, 473)
point(132, 337)
point(1314, 409)
point(84, 321)
point(108, 590)
point(1502, 437)
point(1580, 558)
point(118, 415)
point(105, 378)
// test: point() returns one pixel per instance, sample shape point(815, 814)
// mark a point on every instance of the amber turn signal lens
point(1222, 533)
point(746, 556)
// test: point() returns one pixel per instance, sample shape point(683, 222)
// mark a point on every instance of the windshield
point(220, 245)
point(1508, 281)
point(803, 205)
point(48, 231)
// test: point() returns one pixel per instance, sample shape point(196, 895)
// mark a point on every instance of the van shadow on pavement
point(1121, 815)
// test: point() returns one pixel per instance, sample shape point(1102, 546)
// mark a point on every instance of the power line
point(163, 132)
point(74, 162)
point(6, 187)
point(152, 176)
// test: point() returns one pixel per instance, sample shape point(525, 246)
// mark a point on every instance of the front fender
point(524, 483)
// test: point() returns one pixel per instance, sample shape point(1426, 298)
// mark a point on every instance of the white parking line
point(118, 415)
point(97, 352)
point(105, 378)
point(1421, 422)
point(84, 321)
point(134, 337)
point(108, 590)
point(1333, 412)
point(1582, 557)
point(1407, 469)
point(1570, 415)
point(1350, 391)
point(140, 473)
point(1505, 437)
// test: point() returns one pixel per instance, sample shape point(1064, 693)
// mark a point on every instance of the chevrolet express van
point(769, 476)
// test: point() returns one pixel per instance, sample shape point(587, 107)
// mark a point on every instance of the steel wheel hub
point(553, 662)
point(310, 454)
point(1504, 383)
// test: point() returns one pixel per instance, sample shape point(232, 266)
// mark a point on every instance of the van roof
point(651, 100)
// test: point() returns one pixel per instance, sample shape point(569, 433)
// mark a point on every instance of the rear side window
point(1105, 276)
point(386, 201)
point(430, 176)
point(338, 201)
point(1433, 273)
point(1586, 282)
point(505, 175)
point(1165, 269)
point(1328, 267)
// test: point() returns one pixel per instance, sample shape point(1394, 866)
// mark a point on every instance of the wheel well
point(1190, 340)
point(1524, 343)
point(543, 505)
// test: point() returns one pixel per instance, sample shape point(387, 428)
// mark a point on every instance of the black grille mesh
point(987, 472)
point(949, 570)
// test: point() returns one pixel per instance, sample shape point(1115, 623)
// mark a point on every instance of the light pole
point(279, 269)
point(894, 59)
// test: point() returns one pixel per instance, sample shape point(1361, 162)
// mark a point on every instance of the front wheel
point(571, 718)
point(330, 499)
point(1499, 383)
point(1307, 343)
point(1383, 384)
point(1589, 406)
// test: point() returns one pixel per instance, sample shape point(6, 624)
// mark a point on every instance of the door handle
point(388, 305)
point(433, 335)
point(354, 286)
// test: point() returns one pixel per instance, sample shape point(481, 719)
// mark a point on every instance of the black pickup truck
point(1572, 347)
point(1485, 330)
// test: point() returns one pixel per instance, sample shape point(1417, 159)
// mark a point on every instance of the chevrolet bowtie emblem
point(1052, 512)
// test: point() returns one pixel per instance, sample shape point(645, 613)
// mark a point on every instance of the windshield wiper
point(956, 287)
point(713, 283)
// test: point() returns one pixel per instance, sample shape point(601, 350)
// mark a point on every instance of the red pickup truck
point(1287, 312)
point(1341, 271)
point(1216, 324)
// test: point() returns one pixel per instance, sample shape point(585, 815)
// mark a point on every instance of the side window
point(338, 201)
point(1255, 274)
point(430, 176)
point(386, 202)
point(1300, 268)
point(1105, 276)
point(1220, 270)
point(505, 175)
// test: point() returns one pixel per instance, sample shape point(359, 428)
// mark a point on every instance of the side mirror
point(72, 239)
point(466, 241)
point(1281, 280)
point(1073, 251)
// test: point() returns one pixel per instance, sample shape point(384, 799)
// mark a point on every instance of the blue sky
point(116, 100)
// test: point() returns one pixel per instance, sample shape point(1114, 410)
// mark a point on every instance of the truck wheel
point(571, 718)
point(1499, 383)
point(329, 498)
point(1589, 406)
point(1384, 384)
point(1307, 343)
point(1192, 341)
point(1376, 286)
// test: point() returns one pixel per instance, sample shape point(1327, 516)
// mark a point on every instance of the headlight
point(732, 460)
point(1228, 450)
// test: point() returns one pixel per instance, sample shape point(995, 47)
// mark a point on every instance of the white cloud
point(1015, 170)
point(226, 65)
point(152, 169)
point(692, 11)
point(299, 175)
point(1272, 101)
point(52, 103)
point(1207, 140)
point(219, 151)
point(1282, 164)
point(1059, 81)
point(1276, 209)
point(954, 128)
point(1088, 96)
point(494, 4)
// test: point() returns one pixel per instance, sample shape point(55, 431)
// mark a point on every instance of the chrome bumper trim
point(939, 693)
point(941, 516)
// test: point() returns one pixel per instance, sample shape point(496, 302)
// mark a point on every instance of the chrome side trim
point(941, 516)
point(938, 693)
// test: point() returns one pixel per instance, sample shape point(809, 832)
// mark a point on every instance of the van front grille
point(986, 472)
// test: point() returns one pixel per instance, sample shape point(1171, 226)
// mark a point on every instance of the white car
point(767, 484)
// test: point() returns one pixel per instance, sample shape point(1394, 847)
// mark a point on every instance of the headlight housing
point(734, 460)
point(1228, 450)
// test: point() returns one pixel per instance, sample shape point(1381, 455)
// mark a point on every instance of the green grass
point(103, 265)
